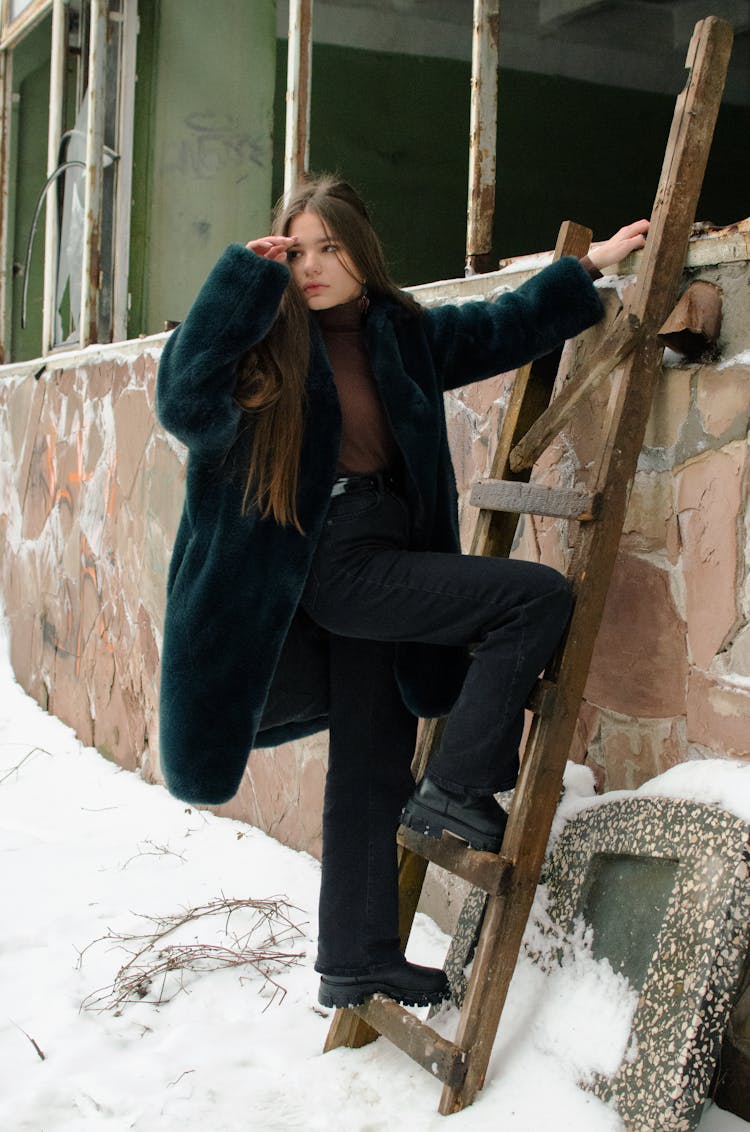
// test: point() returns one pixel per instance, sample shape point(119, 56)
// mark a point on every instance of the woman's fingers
point(271, 247)
point(629, 238)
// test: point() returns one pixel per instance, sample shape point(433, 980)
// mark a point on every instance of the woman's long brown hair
point(271, 379)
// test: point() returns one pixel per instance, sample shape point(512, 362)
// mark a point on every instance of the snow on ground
point(88, 850)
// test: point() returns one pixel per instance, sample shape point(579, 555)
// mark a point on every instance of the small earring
point(364, 302)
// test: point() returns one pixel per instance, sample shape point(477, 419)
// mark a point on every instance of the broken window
point(69, 269)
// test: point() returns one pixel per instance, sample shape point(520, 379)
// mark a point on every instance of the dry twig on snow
point(28, 755)
point(154, 964)
point(40, 1052)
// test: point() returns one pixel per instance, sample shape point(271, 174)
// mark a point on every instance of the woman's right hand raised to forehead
point(271, 247)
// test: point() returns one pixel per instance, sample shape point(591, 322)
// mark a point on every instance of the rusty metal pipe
point(483, 136)
point(298, 82)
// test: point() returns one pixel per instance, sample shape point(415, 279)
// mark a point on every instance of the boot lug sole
point(436, 826)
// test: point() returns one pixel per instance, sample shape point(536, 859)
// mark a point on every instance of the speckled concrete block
point(700, 927)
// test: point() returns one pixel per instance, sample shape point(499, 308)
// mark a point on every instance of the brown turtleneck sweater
point(367, 443)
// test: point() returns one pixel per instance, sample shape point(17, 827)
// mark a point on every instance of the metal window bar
point(6, 285)
point(298, 82)
point(124, 188)
point(482, 136)
point(94, 174)
point(54, 134)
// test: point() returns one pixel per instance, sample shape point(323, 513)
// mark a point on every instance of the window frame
point(14, 30)
point(12, 33)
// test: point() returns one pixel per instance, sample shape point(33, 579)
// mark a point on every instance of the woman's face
point(320, 265)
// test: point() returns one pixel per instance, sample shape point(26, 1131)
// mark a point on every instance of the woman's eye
point(331, 248)
point(291, 255)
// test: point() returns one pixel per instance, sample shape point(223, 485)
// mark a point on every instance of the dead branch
point(39, 1051)
point(154, 851)
point(17, 767)
point(154, 964)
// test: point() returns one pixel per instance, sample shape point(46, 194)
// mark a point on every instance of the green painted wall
point(28, 164)
point(203, 177)
point(397, 127)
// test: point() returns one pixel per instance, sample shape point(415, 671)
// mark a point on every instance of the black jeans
point(369, 591)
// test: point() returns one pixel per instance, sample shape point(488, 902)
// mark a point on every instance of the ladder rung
point(532, 499)
point(488, 871)
point(436, 1054)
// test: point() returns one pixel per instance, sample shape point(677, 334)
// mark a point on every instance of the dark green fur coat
point(242, 667)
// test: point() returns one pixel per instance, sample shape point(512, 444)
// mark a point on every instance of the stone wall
point(90, 495)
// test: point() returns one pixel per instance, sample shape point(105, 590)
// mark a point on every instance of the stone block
point(98, 380)
point(134, 422)
point(739, 654)
point(19, 412)
point(120, 375)
point(41, 483)
point(669, 409)
point(651, 520)
point(709, 506)
point(639, 667)
point(164, 485)
point(718, 714)
point(631, 751)
point(723, 398)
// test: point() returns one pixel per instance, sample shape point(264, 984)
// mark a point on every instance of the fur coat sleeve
point(476, 340)
point(234, 311)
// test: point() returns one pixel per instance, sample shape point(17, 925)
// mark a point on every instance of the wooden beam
point(434, 1053)
point(482, 135)
point(533, 499)
point(622, 338)
point(487, 871)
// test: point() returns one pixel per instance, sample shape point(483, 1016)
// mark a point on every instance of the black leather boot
point(406, 982)
point(478, 820)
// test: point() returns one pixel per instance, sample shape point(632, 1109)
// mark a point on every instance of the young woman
point(317, 580)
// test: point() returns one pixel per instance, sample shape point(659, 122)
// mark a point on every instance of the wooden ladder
point(632, 350)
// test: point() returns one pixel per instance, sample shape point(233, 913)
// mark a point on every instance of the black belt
point(361, 481)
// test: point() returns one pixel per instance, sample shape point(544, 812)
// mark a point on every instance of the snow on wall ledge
point(90, 495)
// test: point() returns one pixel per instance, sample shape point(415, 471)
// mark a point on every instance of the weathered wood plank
point(542, 698)
point(533, 499)
point(626, 331)
point(488, 871)
point(348, 1029)
point(436, 1054)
